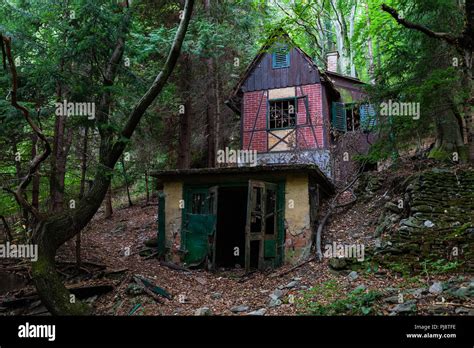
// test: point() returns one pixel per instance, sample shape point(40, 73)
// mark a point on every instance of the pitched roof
point(235, 98)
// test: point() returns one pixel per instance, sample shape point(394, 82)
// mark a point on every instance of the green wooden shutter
point(367, 116)
point(281, 57)
point(339, 117)
point(161, 224)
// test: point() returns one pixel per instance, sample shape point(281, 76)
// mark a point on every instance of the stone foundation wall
point(434, 222)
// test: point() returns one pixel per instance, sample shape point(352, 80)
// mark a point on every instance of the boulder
point(337, 263)
point(436, 288)
point(276, 294)
point(203, 312)
point(291, 284)
point(258, 312)
point(216, 295)
point(274, 303)
point(352, 276)
point(392, 207)
point(239, 309)
point(406, 307)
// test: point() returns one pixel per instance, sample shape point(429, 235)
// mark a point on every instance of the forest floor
point(312, 288)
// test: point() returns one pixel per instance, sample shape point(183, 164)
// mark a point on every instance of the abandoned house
point(264, 215)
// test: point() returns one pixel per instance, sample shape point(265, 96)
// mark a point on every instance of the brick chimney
point(332, 60)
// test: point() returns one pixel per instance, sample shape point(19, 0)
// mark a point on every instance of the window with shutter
point(339, 119)
point(281, 57)
point(367, 116)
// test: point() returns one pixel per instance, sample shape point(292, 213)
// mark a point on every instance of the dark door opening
point(231, 221)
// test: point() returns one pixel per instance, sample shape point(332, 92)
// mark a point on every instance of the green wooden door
point(270, 235)
point(200, 225)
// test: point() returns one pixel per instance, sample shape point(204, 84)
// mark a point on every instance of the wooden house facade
point(291, 111)
point(264, 215)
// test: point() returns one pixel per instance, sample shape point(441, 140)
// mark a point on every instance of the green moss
point(52, 290)
point(440, 154)
point(356, 302)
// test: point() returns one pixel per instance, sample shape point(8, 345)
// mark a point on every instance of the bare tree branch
point(451, 39)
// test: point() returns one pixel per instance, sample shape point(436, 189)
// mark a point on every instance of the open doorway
point(230, 229)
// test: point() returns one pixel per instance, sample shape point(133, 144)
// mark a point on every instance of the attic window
point(282, 113)
point(281, 57)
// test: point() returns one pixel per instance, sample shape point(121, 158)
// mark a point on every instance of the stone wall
point(432, 221)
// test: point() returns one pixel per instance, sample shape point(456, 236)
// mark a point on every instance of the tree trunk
point(84, 162)
point(61, 146)
point(370, 50)
point(218, 111)
point(35, 184)
point(184, 146)
point(19, 176)
point(49, 235)
point(124, 172)
point(448, 134)
point(351, 35)
point(210, 109)
point(108, 203)
point(8, 232)
point(146, 186)
point(82, 191)
point(464, 44)
point(53, 231)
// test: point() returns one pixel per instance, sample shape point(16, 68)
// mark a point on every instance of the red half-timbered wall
point(309, 120)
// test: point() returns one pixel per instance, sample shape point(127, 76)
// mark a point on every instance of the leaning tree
point(52, 231)
point(463, 43)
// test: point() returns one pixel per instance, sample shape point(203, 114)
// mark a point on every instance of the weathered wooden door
point(261, 232)
point(270, 236)
point(200, 225)
point(213, 194)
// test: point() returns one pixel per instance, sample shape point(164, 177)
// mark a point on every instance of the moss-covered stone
point(439, 224)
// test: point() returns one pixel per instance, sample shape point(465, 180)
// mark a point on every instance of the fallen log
point(151, 256)
point(18, 302)
point(115, 271)
point(281, 274)
point(148, 291)
point(247, 276)
point(174, 266)
point(153, 287)
point(84, 263)
point(80, 291)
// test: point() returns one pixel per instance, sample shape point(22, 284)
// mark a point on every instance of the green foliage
point(400, 267)
point(68, 43)
point(440, 266)
point(357, 302)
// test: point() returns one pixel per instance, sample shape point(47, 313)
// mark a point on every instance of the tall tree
point(464, 45)
point(54, 230)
